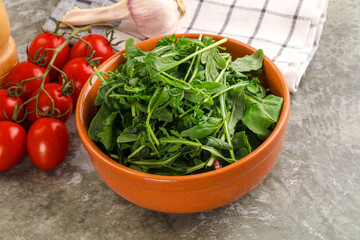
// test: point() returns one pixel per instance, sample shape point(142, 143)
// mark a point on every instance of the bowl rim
point(92, 147)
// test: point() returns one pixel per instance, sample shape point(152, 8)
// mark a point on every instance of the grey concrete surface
point(313, 191)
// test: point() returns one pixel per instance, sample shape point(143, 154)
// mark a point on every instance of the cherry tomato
point(7, 106)
point(51, 41)
point(63, 103)
point(77, 70)
point(12, 144)
point(22, 71)
point(99, 44)
point(47, 142)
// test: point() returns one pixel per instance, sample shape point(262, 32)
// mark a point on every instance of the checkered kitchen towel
point(287, 30)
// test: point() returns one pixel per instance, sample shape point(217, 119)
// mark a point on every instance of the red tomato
point(12, 144)
point(47, 142)
point(7, 106)
point(77, 70)
point(99, 44)
point(24, 71)
point(51, 41)
point(63, 103)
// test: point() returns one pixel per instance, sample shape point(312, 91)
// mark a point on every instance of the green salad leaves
point(183, 108)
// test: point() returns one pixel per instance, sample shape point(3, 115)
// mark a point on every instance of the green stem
point(151, 106)
point(156, 164)
point(194, 168)
point(240, 84)
point(196, 70)
point(152, 144)
point(183, 82)
point(226, 125)
point(99, 75)
point(195, 54)
point(181, 141)
point(133, 109)
point(210, 161)
point(192, 63)
point(136, 151)
point(216, 153)
point(254, 97)
point(223, 111)
point(52, 102)
point(221, 74)
point(195, 106)
point(221, 124)
point(107, 94)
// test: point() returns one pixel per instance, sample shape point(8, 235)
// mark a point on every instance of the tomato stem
point(55, 32)
point(94, 62)
point(38, 58)
point(110, 37)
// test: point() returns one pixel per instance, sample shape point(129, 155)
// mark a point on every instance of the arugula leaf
point(185, 46)
point(213, 61)
point(155, 64)
point(166, 41)
point(132, 52)
point(248, 63)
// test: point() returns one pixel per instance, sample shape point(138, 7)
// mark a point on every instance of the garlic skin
point(163, 19)
point(78, 17)
point(151, 17)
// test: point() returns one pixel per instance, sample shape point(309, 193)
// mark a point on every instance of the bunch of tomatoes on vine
point(41, 93)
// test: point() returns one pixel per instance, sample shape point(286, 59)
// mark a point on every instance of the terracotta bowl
point(193, 193)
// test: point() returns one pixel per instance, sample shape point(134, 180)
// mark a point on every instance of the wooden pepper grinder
point(8, 53)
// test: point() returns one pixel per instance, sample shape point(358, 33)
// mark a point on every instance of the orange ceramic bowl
point(193, 193)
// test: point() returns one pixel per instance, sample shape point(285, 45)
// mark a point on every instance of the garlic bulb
point(151, 17)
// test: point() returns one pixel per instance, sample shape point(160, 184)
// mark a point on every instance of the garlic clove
point(78, 17)
point(163, 18)
point(152, 17)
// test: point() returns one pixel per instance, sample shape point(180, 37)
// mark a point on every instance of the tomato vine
point(67, 86)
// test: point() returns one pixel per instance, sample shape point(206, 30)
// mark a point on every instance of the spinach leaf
point(108, 133)
point(241, 145)
point(236, 99)
point(218, 143)
point(260, 114)
point(97, 123)
point(162, 114)
point(203, 129)
point(126, 138)
point(208, 87)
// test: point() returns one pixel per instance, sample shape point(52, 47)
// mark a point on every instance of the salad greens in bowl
point(183, 107)
point(184, 123)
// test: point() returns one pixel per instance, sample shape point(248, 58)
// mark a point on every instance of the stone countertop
point(312, 192)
